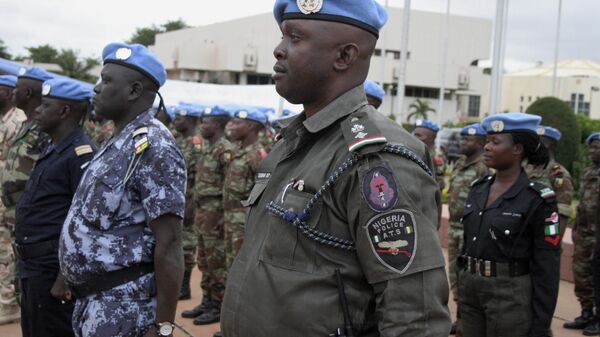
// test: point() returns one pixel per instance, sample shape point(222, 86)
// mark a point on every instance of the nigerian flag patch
point(551, 229)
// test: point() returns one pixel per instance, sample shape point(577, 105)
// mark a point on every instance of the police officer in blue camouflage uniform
point(46, 306)
point(120, 248)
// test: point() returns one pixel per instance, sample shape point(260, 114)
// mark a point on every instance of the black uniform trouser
point(41, 314)
point(494, 306)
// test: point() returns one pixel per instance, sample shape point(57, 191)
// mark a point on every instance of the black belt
point(111, 279)
point(488, 268)
point(24, 252)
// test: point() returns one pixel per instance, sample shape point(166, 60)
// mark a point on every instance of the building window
point(474, 104)
point(529, 99)
point(522, 98)
point(377, 52)
point(259, 79)
point(579, 105)
point(421, 92)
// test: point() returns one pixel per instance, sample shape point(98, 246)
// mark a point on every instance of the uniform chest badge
point(393, 238)
point(379, 189)
point(309, 6)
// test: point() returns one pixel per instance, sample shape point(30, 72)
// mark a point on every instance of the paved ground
point(567, 309)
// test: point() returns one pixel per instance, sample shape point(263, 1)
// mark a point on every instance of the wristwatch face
point(165, 329)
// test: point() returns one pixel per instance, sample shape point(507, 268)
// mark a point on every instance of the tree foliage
point(147, 35)
point(419, 109)
point(558, 114)
point(75, 67)
point(43, 53)
point(4, 51)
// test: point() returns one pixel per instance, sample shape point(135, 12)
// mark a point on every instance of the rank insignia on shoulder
point(140, 131)
point(547, 192)
point(393, 238)
point(379, 189)
point(142, 143)
point(83, 149)
point(360, 131)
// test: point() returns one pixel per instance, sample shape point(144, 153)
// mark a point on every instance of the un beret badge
point(207, 111)
point(497, 126)
point(123, 54)
point(183, 112)
point(472, 132)
point(46, 89)
point(541, 131)
point(243, 114)
point(22, 71)
point(309, 6)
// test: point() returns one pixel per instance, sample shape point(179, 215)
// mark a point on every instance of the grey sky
point(89, 25)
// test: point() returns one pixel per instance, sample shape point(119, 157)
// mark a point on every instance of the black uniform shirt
point(521, 224)
point(43, 207)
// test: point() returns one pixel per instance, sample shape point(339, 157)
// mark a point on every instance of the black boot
point(212, 315)
point(199, 309)
point(593, 328)
point(185, 292)
point(453, 329)
point(580, 322)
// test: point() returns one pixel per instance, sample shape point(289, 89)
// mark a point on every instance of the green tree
point(147, 35)
point(558, 114)
point(43, 53)
point(4, 51)
point(75, 67)
point(419, 109)
point(174, 25)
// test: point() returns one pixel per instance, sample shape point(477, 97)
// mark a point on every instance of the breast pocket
point(287, 245)
point(104, 200)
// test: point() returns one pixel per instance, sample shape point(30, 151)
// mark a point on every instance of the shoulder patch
point(140, 131)
point(544, 191)
point(379, 189)
point(83, 150)
point(142, 143)
point(359, 131)
point(393, 238)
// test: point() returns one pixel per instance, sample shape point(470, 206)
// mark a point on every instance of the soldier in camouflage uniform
point(584, 237)
point(240, 175)
point(554, 175)
point(212, 158)
point(20, 158)
point(468, 169)
point(426, 131)
point(120, 247)
point(188, 138)
point(12, 118)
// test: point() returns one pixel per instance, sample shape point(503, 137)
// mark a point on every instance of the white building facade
point(241, 52)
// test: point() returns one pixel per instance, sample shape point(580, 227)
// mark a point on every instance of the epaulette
point(359, 131)
point(141, 144)
point(481, 180)
point(544, 191)
point(83, 150)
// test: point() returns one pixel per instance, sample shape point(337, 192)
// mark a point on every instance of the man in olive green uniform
point(584, 236)
point(20, 157)
point(212, 157)
point(12, 118)
point(554, 175)
point(188, 140)
point(467, 170)
point(341, 233)
point(426, 131)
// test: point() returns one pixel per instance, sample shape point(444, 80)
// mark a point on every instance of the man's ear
point(347, 54)
point(136, 89)
point(65, 111)
point(518, 150)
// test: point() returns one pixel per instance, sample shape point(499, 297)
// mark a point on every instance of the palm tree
point(419, 109)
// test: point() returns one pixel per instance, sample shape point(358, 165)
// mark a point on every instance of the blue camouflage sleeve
point(161, 179)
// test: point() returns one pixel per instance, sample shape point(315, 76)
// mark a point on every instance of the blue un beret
point(511, 122)
point(594, 136)
point(218, 111)
point(136, 57)
point(427, 124)
point(191, 110)
point(35, 73)
point(253, 114)
point(365, 14)
point(8, 81)
point(473, 130)
point(374, 90)
point(66, 88)
point(550, 132)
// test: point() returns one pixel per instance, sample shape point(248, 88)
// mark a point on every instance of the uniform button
point(507, 232)
point(490, 178)
point(25, 238)
point(480, 213)
point(531, 184)
point(468, 205)
point(474, 238)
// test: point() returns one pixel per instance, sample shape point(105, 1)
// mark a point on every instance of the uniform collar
point(68, 140)
point(513, 191)
point(342, 106)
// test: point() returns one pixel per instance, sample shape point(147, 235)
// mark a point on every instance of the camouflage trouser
point(128, 310)
point(8, 294)
point(455, 243)
point(234, 233)
point(189, 242)
point(582, 266)
point(211, 248)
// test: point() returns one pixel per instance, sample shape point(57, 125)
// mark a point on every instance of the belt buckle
point(487, 265)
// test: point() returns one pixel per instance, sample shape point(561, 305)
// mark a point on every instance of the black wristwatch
point(165, 328)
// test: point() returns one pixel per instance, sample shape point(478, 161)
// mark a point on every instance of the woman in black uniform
point(511, 256)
